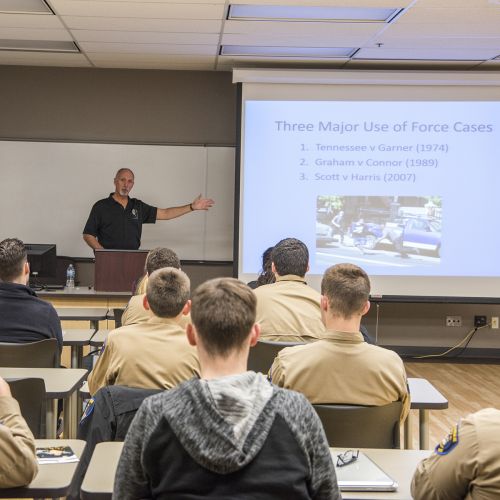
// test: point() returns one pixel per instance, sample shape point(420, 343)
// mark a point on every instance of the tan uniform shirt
point(289, 311)
point(469, 470)
point(136, 313)
point(342, 368)
point(155, 354)
point(18, 464)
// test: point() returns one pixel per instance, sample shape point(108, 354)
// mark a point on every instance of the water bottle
point(70, 276)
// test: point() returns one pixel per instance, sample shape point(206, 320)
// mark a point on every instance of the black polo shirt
point(118, 227)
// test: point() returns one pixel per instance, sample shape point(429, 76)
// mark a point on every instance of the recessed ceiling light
point(306, 13)
point(24, 7)
point(309, 52)
point(39, 46)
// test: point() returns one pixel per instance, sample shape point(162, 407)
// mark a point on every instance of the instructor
point(116, 221)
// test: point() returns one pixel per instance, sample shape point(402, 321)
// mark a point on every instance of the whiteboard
point(48, 189)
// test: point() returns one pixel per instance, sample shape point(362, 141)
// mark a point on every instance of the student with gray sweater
point(229, 434)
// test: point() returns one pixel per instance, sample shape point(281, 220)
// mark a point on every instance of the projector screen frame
point(354, 78)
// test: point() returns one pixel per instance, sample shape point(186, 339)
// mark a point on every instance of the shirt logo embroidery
point(135, 214)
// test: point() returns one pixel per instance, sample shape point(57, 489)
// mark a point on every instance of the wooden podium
point(118, 270)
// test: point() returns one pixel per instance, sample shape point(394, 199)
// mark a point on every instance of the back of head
point(167, 292)
point(223, 313)
point(347, 288)
point(12, 259)
point(290, 256)
point(161, 257)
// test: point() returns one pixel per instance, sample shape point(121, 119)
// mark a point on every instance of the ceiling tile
point(149, 48)
point(141, 37)
point(429, 54)
point(138, 9)
point(34, 34)
point(29, 21)
point(42, 59)
point(141, 24)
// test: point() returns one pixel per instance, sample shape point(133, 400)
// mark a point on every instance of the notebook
point(362, 475)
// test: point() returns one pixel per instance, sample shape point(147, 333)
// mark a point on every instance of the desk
point(59, 383)
point(52, 480)
point(424, 397)
point(76, 339)
point(92, 314)
point(100, 477)
point(399, 464)
point(99, 338)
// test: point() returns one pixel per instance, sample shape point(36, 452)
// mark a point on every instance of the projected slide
point(400, 188)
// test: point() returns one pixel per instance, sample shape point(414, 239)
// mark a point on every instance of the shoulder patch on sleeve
point(449, 442)
point(89, 409)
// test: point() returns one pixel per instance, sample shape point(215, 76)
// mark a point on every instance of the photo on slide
point(402, 231)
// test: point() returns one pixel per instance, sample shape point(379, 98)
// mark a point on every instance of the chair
point(351, 426)
point(31, 396)
point(41, 354)
point(262, 354)
point(117, 314)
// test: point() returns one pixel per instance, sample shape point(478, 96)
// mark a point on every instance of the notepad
point(55, 455)
point(363, 475)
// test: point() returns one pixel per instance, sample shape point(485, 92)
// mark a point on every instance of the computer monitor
point(42, 260)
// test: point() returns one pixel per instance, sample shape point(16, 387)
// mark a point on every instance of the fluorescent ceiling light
point(308, 52)
point(39, 46)
point(315, 13)
point(24, 7)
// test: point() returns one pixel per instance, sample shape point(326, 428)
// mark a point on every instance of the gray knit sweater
point(223, 428)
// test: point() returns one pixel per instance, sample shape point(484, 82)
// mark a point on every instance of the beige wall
point(183, 107)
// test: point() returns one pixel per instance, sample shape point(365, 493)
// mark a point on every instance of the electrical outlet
point(494, 322)
point(479, 321)
point(453, 320)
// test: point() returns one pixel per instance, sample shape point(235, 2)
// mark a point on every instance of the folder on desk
point(363, 475)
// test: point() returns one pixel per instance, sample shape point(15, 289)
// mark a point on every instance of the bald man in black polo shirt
point(116, 221)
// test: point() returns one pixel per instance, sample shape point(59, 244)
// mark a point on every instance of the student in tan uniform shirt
point(288, 310)
point(157, 258)
point(341, 367)
point(18, 464)
point(466, 464)
point(154, 354)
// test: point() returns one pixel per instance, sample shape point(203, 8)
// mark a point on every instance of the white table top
point(52, 480)
point(77, 336)
point(424, 396)
point(59, 382)
point(82, 313)
point(399, 464)
point(99, 338)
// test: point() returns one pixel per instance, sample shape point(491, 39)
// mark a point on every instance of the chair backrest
point(262, 354)
point(31, 396)
point(118, 313)
point(350, 426)
point(41, 354)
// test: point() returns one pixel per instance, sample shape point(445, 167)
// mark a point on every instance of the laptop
point(362, 475)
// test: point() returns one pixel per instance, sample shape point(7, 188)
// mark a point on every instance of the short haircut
point(167, 292)
point(124, 169)
point(161, 257)
point(12, 258)
point(290, 256)
point(223, 313)
point(347, 288)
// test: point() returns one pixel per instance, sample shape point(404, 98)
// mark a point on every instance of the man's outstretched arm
point(198, 203)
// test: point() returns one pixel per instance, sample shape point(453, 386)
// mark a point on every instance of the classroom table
point(52, 480)
point(91, 314)
point(60, 383)
point(76, 339)
point(399, 464)
point(424, 397)
point(99, 338)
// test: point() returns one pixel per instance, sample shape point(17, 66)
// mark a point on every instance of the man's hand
point(200, 203)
